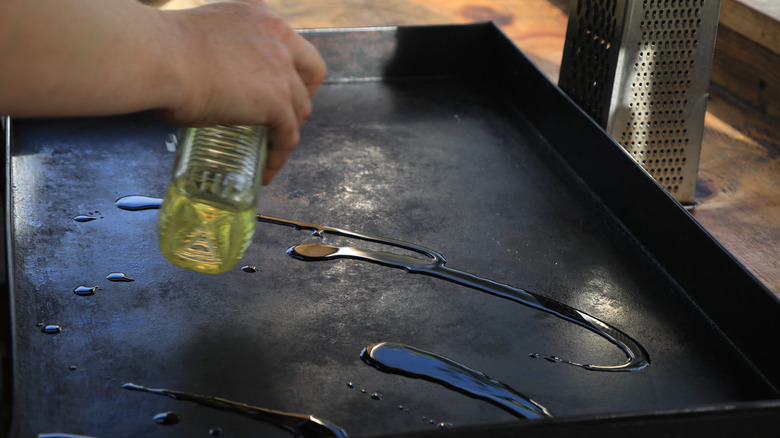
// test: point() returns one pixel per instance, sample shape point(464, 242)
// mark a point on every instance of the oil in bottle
point(208, 215)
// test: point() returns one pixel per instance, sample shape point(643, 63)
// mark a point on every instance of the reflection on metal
point(434, 265)
point(641, 69)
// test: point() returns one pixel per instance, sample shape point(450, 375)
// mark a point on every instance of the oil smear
point(299, 425)
point(138, 202)
point(413, 362)
point(434, 265)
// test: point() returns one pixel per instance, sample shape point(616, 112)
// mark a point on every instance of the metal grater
point(641, 69)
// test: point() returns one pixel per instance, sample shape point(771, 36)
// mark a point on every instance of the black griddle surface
point(447, 162)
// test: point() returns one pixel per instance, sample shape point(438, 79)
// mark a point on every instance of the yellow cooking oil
point(208, 215)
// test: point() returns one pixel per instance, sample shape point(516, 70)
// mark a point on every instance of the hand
point(242, 64)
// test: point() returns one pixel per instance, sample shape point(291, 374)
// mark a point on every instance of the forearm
point(85, 57)
point(222, 63)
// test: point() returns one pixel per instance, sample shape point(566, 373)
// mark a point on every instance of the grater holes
point(592, 61)
point(656, 133)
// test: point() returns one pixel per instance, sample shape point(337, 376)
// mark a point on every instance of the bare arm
point(231, 63)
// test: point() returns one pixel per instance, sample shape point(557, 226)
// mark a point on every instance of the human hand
point(241, 64)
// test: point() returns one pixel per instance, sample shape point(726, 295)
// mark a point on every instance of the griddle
point(444, 136)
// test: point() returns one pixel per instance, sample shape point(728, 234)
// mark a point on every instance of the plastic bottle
point(208, 216)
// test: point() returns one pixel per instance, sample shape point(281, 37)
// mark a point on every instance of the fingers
point(282, 139)
point(247, 66)
point(310, 66)
point(310, 72)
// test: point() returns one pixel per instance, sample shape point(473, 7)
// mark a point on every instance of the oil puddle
point(434, 265)
point(412, 362)
point(300, 425)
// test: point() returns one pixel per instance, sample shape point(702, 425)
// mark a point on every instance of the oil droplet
point(136, 202)
point(52, 329)
point(215, 431)
point(376, 396)
point(412, 362)
point(39, 324)
point(118, 276)
point(85, 291)
point(534, 355)
point(363, 390)
point(72, 367)
point(350, 385)
point(446, 425)
point(553, 359)
point(249, 268)
point(167, 418)
point(84, 218)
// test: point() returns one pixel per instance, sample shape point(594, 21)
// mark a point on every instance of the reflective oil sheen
point(85, 291)
point(138, 202)
point(414, 362)
point(119, 277)
point(434, 265)
point(167, 418)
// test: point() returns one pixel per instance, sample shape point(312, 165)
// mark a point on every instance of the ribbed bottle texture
point(208, 216)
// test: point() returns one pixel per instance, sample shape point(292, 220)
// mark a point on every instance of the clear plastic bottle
point(208, 216)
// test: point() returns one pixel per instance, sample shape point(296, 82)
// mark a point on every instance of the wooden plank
point(738, 188)
point(747, 70)
point(758, 20)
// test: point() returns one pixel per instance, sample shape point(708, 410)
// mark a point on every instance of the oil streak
point(300, 425)
point(412, 362)
point(137, 202)
point(61, 435)
point(435, 267)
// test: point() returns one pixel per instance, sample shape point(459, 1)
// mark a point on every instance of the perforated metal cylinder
point(641, 69)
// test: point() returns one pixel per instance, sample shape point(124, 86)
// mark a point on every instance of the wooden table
point(738, 187)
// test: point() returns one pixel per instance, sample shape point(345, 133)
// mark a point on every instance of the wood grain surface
point(738, 187)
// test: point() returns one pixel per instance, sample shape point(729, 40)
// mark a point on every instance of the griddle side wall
point(741, 306)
